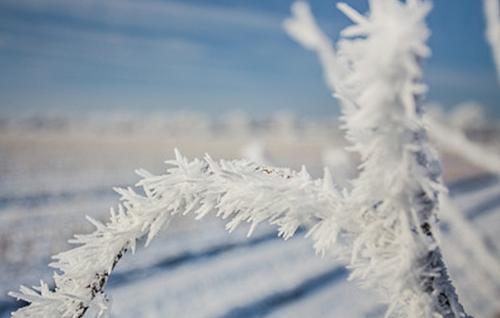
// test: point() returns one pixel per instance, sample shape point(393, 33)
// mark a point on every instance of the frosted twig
point(447, 137)
point(492, 15)
point(239, 191)
point(395, 197)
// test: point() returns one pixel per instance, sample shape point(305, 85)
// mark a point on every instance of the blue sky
point(212, 56)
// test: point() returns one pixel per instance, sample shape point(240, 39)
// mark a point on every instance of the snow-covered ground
point(49, 180)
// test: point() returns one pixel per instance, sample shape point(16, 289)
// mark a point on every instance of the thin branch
point(239, 191)
point(395, 197)
point(492, 15)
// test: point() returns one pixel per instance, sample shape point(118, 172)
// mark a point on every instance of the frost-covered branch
point(492, 15)
point(449, 138)
point(395, 197)
point(446, 136)
point(239, 191)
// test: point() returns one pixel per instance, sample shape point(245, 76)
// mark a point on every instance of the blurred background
point(91, 90)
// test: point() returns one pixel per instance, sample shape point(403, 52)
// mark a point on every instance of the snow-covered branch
point(492, 15)
point(449, 138)
point(239, 191)
point(395, 197)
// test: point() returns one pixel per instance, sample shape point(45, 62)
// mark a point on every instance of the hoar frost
point(382, 227)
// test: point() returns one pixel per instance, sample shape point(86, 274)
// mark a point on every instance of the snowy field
point(51, 178)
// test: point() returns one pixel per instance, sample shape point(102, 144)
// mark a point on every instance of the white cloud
point(151, 13)
point(111, 29)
